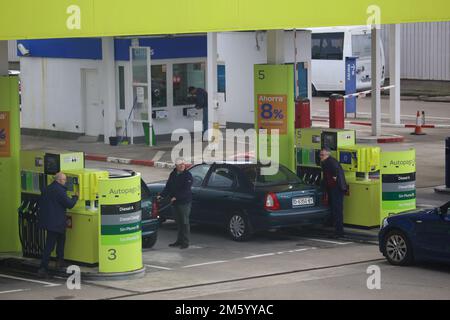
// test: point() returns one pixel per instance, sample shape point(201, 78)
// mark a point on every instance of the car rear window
point(283, 176)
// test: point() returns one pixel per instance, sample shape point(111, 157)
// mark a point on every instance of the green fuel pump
point(96, 221)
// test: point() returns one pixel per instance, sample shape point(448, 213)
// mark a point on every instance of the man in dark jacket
point(178, 189)
point(201, 102)
point(335, 186)
point(52, 218)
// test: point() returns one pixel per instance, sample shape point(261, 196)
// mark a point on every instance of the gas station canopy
point(31, 19)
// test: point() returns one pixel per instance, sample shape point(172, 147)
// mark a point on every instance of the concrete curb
point(145, 163)
point(382, 139)
point(390, 125)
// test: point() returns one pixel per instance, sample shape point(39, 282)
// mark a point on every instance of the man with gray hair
point(52, 218)
point(178, 189)
point(335, 186)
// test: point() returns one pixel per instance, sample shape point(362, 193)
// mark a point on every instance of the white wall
point(12, 51)
point(51, 88)
point(425, 50)
point(239, 52)
point(51, 93)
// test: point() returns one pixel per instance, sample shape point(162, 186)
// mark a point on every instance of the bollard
point(336, 107)
point(302, 113)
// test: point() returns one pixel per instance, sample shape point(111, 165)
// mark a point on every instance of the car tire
point(398, 249)
point(238, 227)
point(149, 242)
point(161, 221)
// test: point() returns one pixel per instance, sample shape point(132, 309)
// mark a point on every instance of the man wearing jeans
point(52, 218)
point(335, 186)
point(178, 188)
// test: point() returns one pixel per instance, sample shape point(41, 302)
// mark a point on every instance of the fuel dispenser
point(83, 219)
point(362, 166)
point(84, 223)
point(36, 168)
point(309, 141)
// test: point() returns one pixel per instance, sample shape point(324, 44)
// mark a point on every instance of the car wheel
point(149, 242)
point(161, 221)
point(238, 227)
point(397, 248)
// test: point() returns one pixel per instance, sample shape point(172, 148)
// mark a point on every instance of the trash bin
point(113, 141)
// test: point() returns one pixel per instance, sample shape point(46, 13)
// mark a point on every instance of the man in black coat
point(201, 102)
point(336, 186)
point(178, 189)
point(52, 218)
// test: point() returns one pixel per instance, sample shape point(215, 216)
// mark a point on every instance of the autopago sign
point(398, 175)
point(124, 191)
point(120, 225)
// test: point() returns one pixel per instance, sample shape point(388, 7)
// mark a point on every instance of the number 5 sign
point(120, 225)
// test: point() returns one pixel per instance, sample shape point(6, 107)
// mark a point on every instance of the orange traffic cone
point(418, 130)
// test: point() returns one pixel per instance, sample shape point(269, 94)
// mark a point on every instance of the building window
point(159, 86)
point(187, 75)
point(121, 88)
point(328, 46)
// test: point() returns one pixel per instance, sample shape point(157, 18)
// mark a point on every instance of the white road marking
point(157, 267)
point(14, 291)
point(204, 264)
point(328, 241)
point(46, 284)
point(259, 256)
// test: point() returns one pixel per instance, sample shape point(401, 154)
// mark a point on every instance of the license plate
point(304, 201)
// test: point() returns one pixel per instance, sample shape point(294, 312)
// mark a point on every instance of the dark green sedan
point(242, 200)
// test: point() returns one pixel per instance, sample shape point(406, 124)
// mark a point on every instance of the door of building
point(93, 110)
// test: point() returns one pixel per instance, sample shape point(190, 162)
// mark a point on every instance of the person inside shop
point(201, 102)
point(179, 189)
point(335, 185)
point(53, 204)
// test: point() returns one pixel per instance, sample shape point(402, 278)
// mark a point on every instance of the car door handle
point(419, 221)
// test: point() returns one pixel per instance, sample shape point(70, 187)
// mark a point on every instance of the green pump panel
point(275, 108)
point(9, 163)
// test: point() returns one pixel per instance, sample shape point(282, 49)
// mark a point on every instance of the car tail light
point(155, 209)
point(271, 202)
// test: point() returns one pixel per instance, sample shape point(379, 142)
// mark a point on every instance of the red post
point(336, 105)
point(302, 113)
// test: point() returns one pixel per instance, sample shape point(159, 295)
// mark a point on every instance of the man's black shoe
point(42, 273)
point(175, 244)
point(184, 246)
point(61, 265)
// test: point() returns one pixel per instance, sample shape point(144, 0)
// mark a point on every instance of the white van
point(330, 47)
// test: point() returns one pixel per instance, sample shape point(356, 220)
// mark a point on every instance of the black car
point(242, 200)
point(150, 222)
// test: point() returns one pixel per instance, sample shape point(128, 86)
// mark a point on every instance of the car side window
point(198, 174)
point(221, 178)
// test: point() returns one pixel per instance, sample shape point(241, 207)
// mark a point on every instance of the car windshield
point(282, 177)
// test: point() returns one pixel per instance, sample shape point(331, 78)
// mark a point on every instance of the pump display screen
point(329, 140)
point(345, 157)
